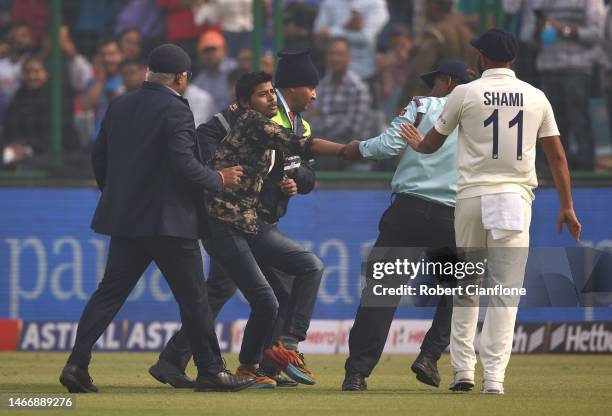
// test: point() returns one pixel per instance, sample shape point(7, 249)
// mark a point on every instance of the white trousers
point(506, 259)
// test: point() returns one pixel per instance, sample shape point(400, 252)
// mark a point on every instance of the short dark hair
point(245, 86)
point(36, 58)
point(399, 30)
point(128, 30)
point(126, 62)
point(340, 39)
point(18, 23)
point(107, 41)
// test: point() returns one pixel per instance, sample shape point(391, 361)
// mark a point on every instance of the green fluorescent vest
point(281, 118)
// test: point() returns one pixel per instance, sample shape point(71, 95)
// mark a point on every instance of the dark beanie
point(169, 59)
point(295, 69)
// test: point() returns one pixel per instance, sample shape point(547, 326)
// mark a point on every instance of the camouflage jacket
point(249, 145)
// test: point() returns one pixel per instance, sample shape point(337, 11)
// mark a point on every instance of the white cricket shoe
point(463, 381)
point(492, 387)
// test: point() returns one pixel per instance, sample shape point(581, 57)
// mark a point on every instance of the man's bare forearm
point(321, 147)
point(557, 163)
point(432, 142)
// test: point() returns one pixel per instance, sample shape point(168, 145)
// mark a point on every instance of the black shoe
point(223, 381)
point(426, 369)
point(167, 373)
point(354, 382)
point(77, 380)
point(281, 379)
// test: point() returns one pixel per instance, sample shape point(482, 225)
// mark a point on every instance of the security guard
point(421, 215)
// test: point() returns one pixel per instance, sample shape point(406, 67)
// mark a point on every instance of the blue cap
point(497, 44)
point(457, 69)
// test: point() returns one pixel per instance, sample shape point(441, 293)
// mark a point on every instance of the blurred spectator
point(401, 12)
point(393, 68)
point(358, 21)
point(470, 9)
point(235, 18)
point(4, 48)
point(27, 125)
point(78, 70)
point(130, 43)
point(106, 83)
point(525, 65)
point(201, 103)
point(569, 31)
point(298, 24)
point(298, 32)
point(146, 15)
point(447, 36)
point(21, 42)
point(133, 73)
point(6, 21)
point(342, 110)
point(244, 60)
point(180, 25)
point(36, 13)
point(232, 78)
point(267, 62)
point(96, 20)
point(215, 67)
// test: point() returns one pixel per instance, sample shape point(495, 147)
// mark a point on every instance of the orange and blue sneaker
point(262, 381)
point(281, 379)
point(291, 362)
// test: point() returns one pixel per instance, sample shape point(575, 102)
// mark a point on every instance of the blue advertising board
point(51, 261)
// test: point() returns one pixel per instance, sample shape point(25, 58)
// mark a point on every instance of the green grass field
point(536, 384)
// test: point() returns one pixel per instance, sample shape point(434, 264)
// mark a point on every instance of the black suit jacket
point(146, 163)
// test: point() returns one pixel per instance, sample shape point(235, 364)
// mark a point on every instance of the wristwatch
point(566, 31)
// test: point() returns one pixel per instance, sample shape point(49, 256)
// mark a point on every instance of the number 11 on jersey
point(494, 119)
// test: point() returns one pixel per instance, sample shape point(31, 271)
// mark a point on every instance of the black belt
point(421, 203)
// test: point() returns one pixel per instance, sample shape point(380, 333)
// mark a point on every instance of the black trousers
point(180, 261)
point(568, 93)
point(408, 222)
point(221, 288)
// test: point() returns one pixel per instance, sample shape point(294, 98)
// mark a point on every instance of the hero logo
point(581, 338)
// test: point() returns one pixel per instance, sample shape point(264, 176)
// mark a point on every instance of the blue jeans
point(238, 255)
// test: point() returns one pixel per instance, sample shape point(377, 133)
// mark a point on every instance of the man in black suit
point(146, 165)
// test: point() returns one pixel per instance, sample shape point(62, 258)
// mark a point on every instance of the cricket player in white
point(500, 118)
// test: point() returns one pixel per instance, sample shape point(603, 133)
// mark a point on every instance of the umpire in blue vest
point(145, 161)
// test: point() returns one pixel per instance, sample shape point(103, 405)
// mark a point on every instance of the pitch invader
point(497, 148)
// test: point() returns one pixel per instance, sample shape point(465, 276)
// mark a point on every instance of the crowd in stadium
point(370, 54)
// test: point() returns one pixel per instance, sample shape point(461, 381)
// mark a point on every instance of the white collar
point(498, 71)
point(173, 91)
point(286, 108)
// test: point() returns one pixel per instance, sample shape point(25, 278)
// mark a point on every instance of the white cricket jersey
point(500, 118)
